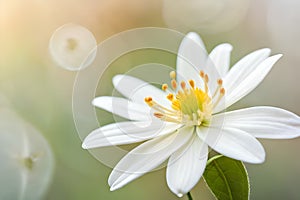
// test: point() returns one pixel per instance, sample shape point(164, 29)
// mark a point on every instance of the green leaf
point(227, 178)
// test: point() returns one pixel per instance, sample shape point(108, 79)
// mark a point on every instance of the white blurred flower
point(206, 16)
point(26, 159)
point(73, 47)
point(190, 110)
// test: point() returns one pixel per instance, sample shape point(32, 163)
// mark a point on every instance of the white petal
point(191, 58)
point(245, 86)
point(239, 72)
point(186, 166)
point(261, 122)
point(220, 56)
point(233, 143)
point(127, 133)
point(123, 108)
point(136, 90)
point(147, 156)
point(244, 67)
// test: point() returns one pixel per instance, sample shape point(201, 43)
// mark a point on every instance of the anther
point(222, 91)
point(148, 100)
point(182, 84)
point(174, 84)
point(164, 87)
point(192, 83)
point(172, 74)
point(158, 115)
point(220, 82)
point(170, 97)
point(202, 74)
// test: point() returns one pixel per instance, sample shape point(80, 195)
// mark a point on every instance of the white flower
point(191, 116)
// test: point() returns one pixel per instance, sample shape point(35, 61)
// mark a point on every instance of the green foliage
point(227, 178)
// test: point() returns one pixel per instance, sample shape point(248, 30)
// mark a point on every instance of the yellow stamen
point(174, 84)
point(170, 97)
point(202, 74)
point(222, 92)
point(157, 106)
point(164, 87)
point(182, 84)
point(158, 115)
point(172, 74)
point(206, 78)
point(192, 83)
point(148, 100)
point(220, 81)
point(191, 106)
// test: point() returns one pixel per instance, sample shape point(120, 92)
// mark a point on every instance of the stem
point(189, 196)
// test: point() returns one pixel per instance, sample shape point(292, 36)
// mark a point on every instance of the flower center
point(190, 105)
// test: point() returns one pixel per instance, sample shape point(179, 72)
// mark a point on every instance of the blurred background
point(40, 91)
